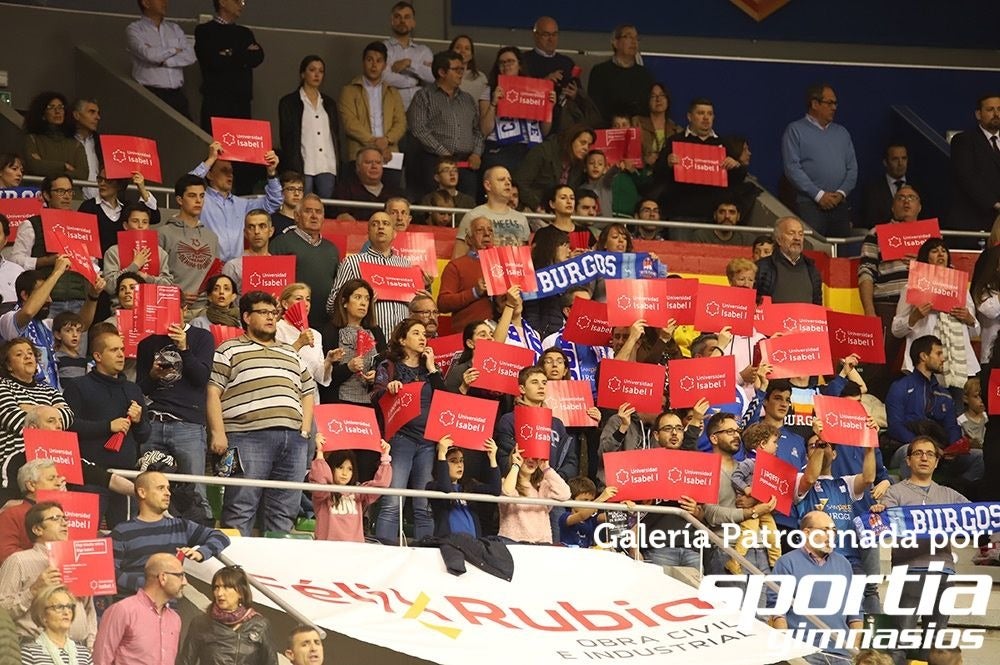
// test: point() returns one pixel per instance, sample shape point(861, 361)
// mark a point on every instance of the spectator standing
point(108, 207)
point(310, 128)
point(510, 226)
point(54, 610)
point(788, 275)
point(257, 234)
point(655, 127)
point(408, 63)
point(305, 646)
point(86, 118)
point(878, 195)
point(191, 246)
point(160, 52)
point(135, 217)
point(49, 146)
point(463, 289)
point(557, 161)
point(227, 55)
point(621, 84)
point(543, 61)
point(975, 170)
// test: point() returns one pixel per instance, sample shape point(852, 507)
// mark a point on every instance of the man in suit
point(876, 200)
point(975, 169)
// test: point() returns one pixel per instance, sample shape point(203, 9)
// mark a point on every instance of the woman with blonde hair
point(54, 609)
point(308, 342)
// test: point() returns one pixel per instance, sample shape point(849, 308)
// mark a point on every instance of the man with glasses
point(621, 84)
point(446, 178)
point(270, 430)
point(543, 61)
point(880, 282)
point(143, 628)
point(292, 188)
point(649, 209)
point(423, 308)
point(463, 288)
point(819, 160)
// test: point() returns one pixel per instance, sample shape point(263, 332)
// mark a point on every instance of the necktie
point(993, 142)
point(898, 184)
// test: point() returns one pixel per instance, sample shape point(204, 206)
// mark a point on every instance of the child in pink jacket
point(341, 516)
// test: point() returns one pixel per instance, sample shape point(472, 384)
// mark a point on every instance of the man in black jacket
point(975, 169)
point(227, 55)
point(788, 275)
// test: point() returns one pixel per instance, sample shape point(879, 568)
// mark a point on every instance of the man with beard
point(408, 65)
point(260, 404)
point(975, 170)
point(788, 275)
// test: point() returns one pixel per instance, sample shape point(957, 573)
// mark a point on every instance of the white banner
point(562, 605)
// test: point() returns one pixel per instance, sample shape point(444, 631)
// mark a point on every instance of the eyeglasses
point(923, 454)
point(426, 312)
point(265, 312)
point(180, 574)
point(730, 431)
point(55, 107)
point(827, 102)
point(813, 446)
point(446, 171)
point(61, 191)
point(680, 428)
point(907, 197)
point(68, 607)
point(61, 519)
point(294, 190)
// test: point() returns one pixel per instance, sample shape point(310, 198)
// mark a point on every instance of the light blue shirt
point(159, 54)
point(413, 77)
point(374, 93)
point(819, 159)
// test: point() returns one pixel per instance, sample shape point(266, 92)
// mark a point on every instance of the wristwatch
point(304, 433)
point(754, 515)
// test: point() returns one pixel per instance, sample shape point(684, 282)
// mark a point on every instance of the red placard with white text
point(792, 317)
point(419, 249)
point(900, 240)
point(682, 300)
point(158, 306)
point(82, 511)
point(396, 283)
point(721, 306)
point(222, 333)
point(637, 474)
point(992, 395)
point(619, 145)
point(270, 274)
point(131, 335)
point(74, 225)
point(856, 333)
point(347, 427)
point(587, 323)
point(87, 567)
point(845, 421)
point(693, 474)
point(60, 448)
point(469, 420)
point(18, 211)
point(130, 242)
point(78, 253)
point(802, 354)
point(694, 378)
point(533, 431)
point(774, 477)
point(499, 364)
point(700, 164)
point(124, 155)
point(506, 266)
point(569, 401)
point(401, 408)
point(242, 140)
point(446, 350)
point(944, 288)
point(525, 97)
point(639, 384)
point(632, 299)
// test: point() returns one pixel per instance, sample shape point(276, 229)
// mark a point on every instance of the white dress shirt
point(159, 53)
point(317, 142)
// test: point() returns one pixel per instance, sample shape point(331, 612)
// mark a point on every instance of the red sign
point(401, 408)
point(270, 274)
point(900, 240)
point(533, 431)
point(157, 306)
point(993, 393)
point(60, 448)
point(639, 384)
point(87, 567)
point(587, 323)
point(242, 140)
point(131, 335)
point(855, 333)
point(682, 298)
point(700, 164)
point(417, 248)
point(792, 317)
point(131, 242)
point(469, 420)
point(569, 401)
point(845, 421)
point(82, 511)
point(693, 474)
point(659, 473)
point(78, 253)
point(224, 333)
point(721, 306)
point(505, 266)
point(74, 225)
point(693, 379)
point(347, 427)
point(525, 98)
point(774, 477)
point(580, 240)
point(499, 364)
point(446, 350)
point(124, 155)
point(18, 211)
point(397, 283)
point(944, 288)
point(802, 354)
point(632, 299)
point(619, 145)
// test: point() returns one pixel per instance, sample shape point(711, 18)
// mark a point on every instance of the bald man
point(543, 61)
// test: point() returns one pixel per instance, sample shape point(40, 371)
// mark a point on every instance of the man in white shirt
point(87, 116)
point(8, 271)
point(160, 52)
point(408, 66)
point(510, 226)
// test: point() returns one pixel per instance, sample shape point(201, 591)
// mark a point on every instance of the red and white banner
point(587, 323)
point(792, 317)
point(944, 288)
point(269, 274)
point(660, 473)
point(124, 155)
point(695, 378)
point(469, 420)
point(82, 510)
point(60, 448)
point(693, 474)
point(856, 333)
point(242, 140)
point(417, 248)
point(396, 283)
point(774, 477)
point(845, 421)
point(682, 300)
point(222, 333)
point(347, 427)
point(401, 408)
point(446, 350)
point(506, 266)
point(619, 145)
point(131, 242)
point(700, 164)
point(525, 98)
point(18, 211)
point(721, 306)
point(87, 567)
point(74, 225)
point(992, 395)
point(639, 384)
point(499, 364)
point(902, 240)
point(802, 354)
point(78, 253)
point(533, 431)
point(157, 306)
point(632, 299)
point(569, 401)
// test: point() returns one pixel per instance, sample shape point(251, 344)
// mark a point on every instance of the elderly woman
point(54, 609)
point(49, 146)
point(230, 632)
point(309, 342)
point(20, 394)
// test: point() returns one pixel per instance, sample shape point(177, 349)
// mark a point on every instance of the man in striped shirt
point(260, 402)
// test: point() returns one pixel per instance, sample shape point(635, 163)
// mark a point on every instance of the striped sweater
point(13, 393)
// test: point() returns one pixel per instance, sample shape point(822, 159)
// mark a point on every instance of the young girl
point(449, 476)
point(532, 477)
point(341, 516)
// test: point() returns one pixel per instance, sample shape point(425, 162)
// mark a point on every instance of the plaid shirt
point(445, 125)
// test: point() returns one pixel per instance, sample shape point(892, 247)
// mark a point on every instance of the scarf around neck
point(224, 316)
point(232, 618)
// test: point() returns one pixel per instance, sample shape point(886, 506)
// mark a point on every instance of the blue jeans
point(321, 184)
point(412, 464)
point(267, 454)
point(675, 556)
point(187, 443)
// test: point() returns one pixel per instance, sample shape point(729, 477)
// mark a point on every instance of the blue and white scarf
point(555, 279)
